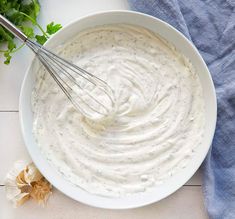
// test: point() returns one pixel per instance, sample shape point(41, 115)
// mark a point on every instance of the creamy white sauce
point(158, 122)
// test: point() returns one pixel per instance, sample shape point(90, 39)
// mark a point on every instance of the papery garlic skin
point(41, 191)
point(13, 192)
point(24, 181)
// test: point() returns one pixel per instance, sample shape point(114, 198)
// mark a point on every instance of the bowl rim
point(92, 199)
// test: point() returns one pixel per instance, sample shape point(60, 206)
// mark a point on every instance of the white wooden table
point(186, 203)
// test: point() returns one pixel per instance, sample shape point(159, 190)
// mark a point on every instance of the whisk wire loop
point(67, 75)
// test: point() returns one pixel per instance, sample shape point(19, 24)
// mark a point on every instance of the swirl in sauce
point(158, 120)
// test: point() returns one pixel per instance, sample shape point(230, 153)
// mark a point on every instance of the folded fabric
point(210, 25)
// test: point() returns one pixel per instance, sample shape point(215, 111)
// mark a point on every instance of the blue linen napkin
point(210, 25)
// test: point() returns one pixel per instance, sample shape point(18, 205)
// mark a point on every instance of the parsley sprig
point(23, 14)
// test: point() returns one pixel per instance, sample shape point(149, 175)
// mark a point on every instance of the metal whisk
point(88, 93)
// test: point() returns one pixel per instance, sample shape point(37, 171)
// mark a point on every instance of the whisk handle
point(12, 28)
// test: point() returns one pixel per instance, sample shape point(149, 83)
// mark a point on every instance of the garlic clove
point(20, 199)
point(14, 172)
point(20, 180)
point(32, 174)
point(12, 191)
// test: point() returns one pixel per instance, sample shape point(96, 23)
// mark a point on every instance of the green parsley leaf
point(14, 16)
point(11, 45)
point(28, 31)
point(53, 28)
point(31, 9)
point(41, 39)
point(8, 58)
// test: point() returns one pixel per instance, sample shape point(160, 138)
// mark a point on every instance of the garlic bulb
point(25, 181)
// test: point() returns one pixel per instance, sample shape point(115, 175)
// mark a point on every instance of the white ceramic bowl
point(173, 183)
